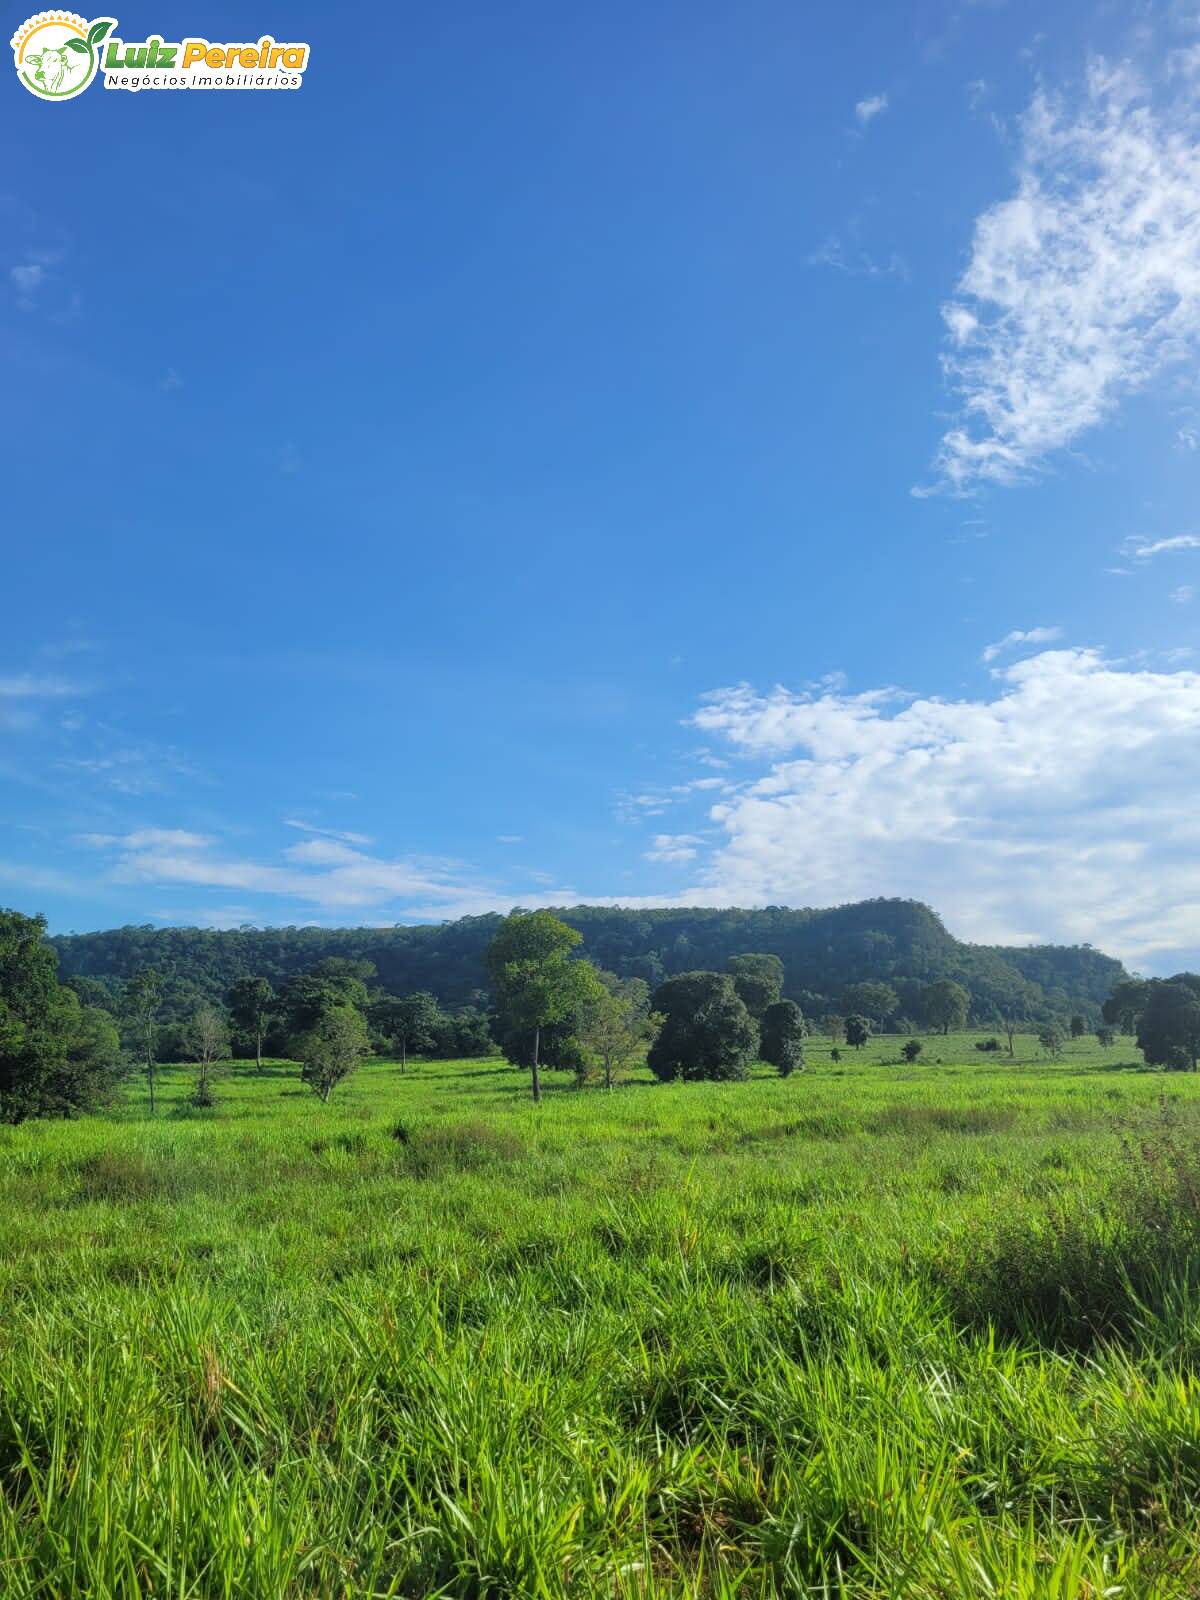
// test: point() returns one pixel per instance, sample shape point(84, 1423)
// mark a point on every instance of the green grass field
point(875, 1330)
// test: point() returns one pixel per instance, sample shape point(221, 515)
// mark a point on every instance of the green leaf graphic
point(97, 31)
point(77, 44)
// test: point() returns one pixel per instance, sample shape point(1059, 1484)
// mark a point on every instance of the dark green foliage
point(911, 1050)
point(56, 1056)
point(1168, 1030)
point(1078, 1027)
point(898, 942)
point(782, 1044)
point(870, 999)
point(858, 1031)
point(251, 1002)
point(1052, 1037)
point(1126, 1003)
point(707, 1033)
point(945, 1004)
point(988, 1046)
point(1106, 1036)
point(758, 980)
point(406, 1022)
point(311, 995)
point(535, 981)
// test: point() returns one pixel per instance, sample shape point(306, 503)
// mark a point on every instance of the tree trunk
point(258, 1048)
point(404, 1054)
point(150, 1081)
point(537, 1082)
point(608, 1072)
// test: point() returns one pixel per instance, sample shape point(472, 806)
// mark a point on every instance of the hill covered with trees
point(824, 952)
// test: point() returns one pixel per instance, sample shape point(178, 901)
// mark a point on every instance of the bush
point(988, 1045)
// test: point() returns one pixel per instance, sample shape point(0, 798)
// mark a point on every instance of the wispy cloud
point(874, 105)
point(1082, 287)
point(1144, 549)
point(674, 848)
point(854, 262)
point(1020, 636)
point(1184, 595)
point(328, 833)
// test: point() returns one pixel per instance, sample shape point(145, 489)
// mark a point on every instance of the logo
point(58, 54)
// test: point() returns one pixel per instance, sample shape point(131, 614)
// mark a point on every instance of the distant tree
point(410, 1022)
point(1011, 1026)
point(758, 980)
point(989, 1046)
point(1168, 1032)
point(251, 1002)
point(535, 981)
point(91, 992)
point(1126, 1003)
point(463, 1035)
point(835, 1054)
point(1052, 1037)
point(858, 1031)
point(782, 1044)
point(208, 1040)
point(876, 1001)
point(1106, 1036)
point(616, 1025)
point(306, 998)
point(911, 1050)
point(834, 1026)
point(332, 1049)
point(1078, 1026)
point(945, 1004)
point(707, 1033)
point(140, 1004)
point(57, 1057)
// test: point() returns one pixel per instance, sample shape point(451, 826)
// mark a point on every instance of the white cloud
point(873, 106)
point(27, 278)
point(674, 847)
point(1082, 287)
point(1060, 809)
point(1020, 636)
point(1143, 549)
point(855, 262)
point(28, 686)
point(1184, 594)
point(328, 833)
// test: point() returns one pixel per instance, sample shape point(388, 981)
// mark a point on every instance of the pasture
point(876, 1330)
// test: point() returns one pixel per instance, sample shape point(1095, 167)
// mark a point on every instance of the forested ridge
point(901, 942)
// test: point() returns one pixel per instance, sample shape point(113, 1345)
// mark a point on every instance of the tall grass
point(922, 1332)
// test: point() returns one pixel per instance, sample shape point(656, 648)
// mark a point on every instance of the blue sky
point(647, 453)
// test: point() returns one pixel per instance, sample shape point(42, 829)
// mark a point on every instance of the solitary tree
point(332, 1049)
point(1012, 1026)
point(834, 1026)
point(945, 1004)
point(782, 1042)
point(1106, 1036)
point(141, 1003)
point(410, 1021)
point(911, 1050)
point(1052, 1038)
point(1078, 1026)
point(707, 1033)
point(616, 1024)
point(535, 981)
point(1168, 1033)
point(874, 1000)
point(858, 1031)
point(208, 1040)
point(758, 980)
point(251, 1001)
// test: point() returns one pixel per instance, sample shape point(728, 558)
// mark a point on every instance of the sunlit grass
point(876, 1330)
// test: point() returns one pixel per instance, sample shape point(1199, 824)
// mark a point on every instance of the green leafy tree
point(1078, 1026)
point(56, 1056)
point(251, 1003)
point(911, 1050)
point(141, 1004)
point(208, 1043)
point(409, 1021)
point(945, 1004)
point(834, 1026)
point(758, 980)
point(782, 1043)
point(332, 1049)
point(1106, 1036)
point(1052, 1037)
point(1126, 1003)
point(307, 997)
point(616, 1025)
point(869, 999)
point(1168, 1030)
point(707, 1033)
point(858, 1031)
point(535, 980)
